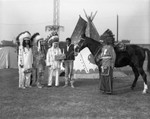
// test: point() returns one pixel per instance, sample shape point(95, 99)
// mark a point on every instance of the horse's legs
point(99, 77)
point(144, 76)
point(136, 74)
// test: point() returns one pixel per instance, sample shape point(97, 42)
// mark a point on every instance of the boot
point(39, 85)
point(72, 82)
point(66, 84)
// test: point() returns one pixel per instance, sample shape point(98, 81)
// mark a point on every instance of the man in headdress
point(19, 40)
point(38, 60)
point(108, 57)
point(20, 60)
point(108, 35)
point(53, 63)
point(28, 59)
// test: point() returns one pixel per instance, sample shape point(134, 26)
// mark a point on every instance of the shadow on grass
point(86, 82)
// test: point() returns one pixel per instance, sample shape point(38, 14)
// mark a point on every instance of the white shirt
point(68, 47)
point(50, 57)
point(28, 58)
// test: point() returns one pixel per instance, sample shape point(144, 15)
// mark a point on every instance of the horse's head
point(82, 43)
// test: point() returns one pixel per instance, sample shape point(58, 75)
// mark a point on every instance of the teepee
point(82, 61)
point(8, 57)
point(91, 30)
point(79, 30)
point(86, 27)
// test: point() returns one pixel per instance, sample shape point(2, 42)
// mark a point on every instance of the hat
point(26, 36)
point(107, 37)
point(54, 39)
point(109, 40)
point(34, 36)
point(54, 33)
point(38, 40)
point(21, 38)
point(38, 37)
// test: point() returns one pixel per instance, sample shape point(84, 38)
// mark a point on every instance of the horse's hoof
point(144, 92)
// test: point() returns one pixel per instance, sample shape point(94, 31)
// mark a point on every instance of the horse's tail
point(148, 59)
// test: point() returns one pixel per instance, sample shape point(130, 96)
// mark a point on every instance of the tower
point(55, 27)
point(56, 12)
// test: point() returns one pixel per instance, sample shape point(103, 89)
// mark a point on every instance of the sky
point(33, 15)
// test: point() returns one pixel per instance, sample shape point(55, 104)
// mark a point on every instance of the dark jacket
point(70, 53)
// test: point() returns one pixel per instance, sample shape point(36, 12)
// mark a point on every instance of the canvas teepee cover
point(91, 30)
point(79, 30)
point(8, 57)
point(82, 61)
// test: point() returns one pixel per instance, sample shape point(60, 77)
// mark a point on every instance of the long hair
point(25, 44)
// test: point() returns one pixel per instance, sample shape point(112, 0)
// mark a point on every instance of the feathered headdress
point(26, 35)
point(33, 38)
point(37, 38)
point(21, 36)
point(107, 37)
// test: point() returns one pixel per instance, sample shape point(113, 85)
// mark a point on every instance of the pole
point(117, 26)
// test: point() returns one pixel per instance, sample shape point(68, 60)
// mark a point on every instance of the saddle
point(120, 46)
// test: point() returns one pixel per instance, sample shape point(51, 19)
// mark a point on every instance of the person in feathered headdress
point(52, 62)
point(19, 40)
point(28, 58)
point(52, 37)
point(108, 57)
point(38, 59)
point(108, 37)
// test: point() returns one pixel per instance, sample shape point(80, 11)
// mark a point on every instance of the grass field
point(83, 102)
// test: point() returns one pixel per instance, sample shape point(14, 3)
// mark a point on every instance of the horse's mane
point(93, 45)
point(88, 38)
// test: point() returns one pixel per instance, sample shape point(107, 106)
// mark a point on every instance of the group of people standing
point(32, 60)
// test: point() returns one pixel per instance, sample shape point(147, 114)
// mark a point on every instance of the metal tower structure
point(55, 27)
point(56, 12)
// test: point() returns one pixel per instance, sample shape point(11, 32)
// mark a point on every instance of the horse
point(133, 55)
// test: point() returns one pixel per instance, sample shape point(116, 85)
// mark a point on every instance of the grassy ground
point(83, 102)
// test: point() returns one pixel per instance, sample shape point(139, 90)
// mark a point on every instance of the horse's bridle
point(81, 43)
point(97, 51)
